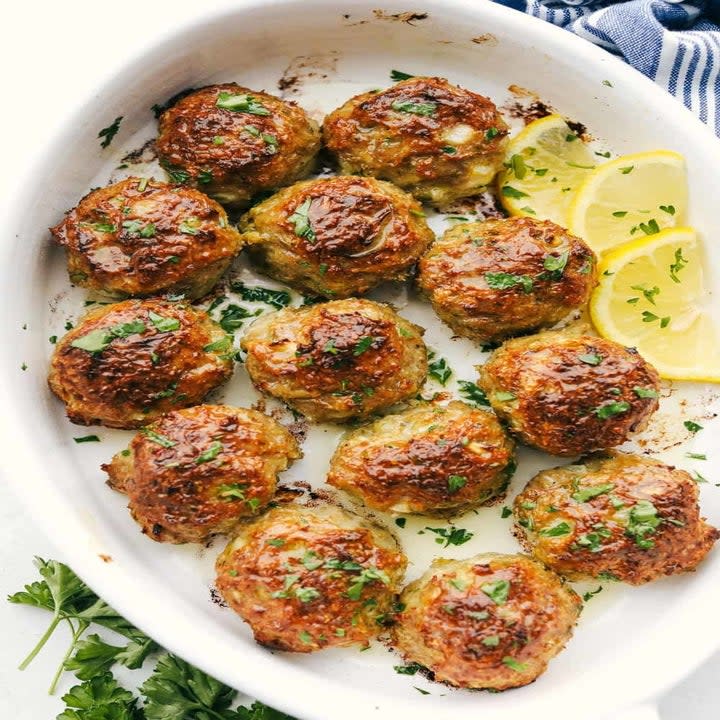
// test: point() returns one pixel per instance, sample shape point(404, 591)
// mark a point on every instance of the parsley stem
point(41, 642)
point(76, 633)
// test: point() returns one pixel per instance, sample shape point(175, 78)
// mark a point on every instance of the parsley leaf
point(451, 536)
point(406, 106)
point(398, 75)
point(610, 409)
point(110, 132)
point(440, 370)
point(588, 493)
point(99, 698)
point(642, 521)
point(456, 482)
point(241, 103)
point(497, 591)
point(693, 427)
point(471, 393)
point(505, 281)
point(301, 219)
point(276, 298)
point(511, 192)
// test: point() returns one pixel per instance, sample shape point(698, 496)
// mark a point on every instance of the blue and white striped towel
point(675, 43)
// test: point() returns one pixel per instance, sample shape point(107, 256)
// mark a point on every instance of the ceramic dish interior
point(630, 642)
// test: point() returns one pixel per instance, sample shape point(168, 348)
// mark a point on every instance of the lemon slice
point(651, 296)
point(544, 166)
point(624, 198)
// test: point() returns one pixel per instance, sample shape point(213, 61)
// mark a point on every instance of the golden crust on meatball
point(570, 395)
point(338, 236)
point(489, 622)
point(126, 364)
point(196, 472)
point(614, 516)
point(144, 237)
point(308, 578)
point(337, 360)
point(494, 279)
point(430, 459)
point(233, 143)
point(434, 139)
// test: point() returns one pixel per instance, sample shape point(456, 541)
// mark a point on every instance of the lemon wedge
point(651, 296)
point(628, 197)
point(543, 168)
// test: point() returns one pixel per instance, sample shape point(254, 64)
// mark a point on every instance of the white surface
point(56, 68)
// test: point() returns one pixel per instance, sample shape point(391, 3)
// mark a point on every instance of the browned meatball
point(337, 236)
point(308, 578)
point(491, 621)
point(126, 364)
point(427, 136)
point(430, 459)
point(232, 142)
point(499, 278)
point(570, 395)
point(614, 516)
point(337, 360)
point(143, 237)
point(196, 472)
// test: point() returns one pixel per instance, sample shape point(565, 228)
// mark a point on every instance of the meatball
point(614, 516)
point(195, 472)
point(491, 280)
point(308, 578)
point(337, 236)
point(431, 459)
point(143, 237)
point(489, 622)
point(569, 395)
point(233, 143)
point(337, 360)
point(126, 364)
point(427, 136)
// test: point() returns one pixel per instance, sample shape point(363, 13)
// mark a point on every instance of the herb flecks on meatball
point(308, 578)
point(614, 516)
point(430, 459)
point(197, 472)
point(570, 394)
point(495, 279)
point(233, 143)
point(489, 622)
point(434, 139)
point(336, 237)
point(337, 360)
point(142, 237)
point(126, 364)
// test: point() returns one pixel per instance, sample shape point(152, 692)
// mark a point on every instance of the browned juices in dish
point(491, 280)
point(196, 472)
point(491, 621)
point(432, 138)
point(233, 142)
point(569, 395)
point(307, 578)
point(143, 237)
point(614, 516)
point(126, 364)
point(431, 459)
point(337, 360)
point(338, 236)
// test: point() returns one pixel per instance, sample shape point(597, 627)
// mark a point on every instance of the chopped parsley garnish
point(497, 591)
point(218, 140)
point(210, 454)
point(518, 166)
point(98, 340)
point(620, 213)
point(223, 345)
point(449, 149)
point(491, 133)
point(276, 298)
point(649, 294)
point(557, 530)
point(275, 542)
point(511, 192)
point(588, 493)
point(456, 482)
point(592, 541)
point(590, 595)
point(678, 265)
point(627, 170)
point(398, 75)
point(591, 358)
point(107, 134)
point(87, 438)
point(231, 317)
point(505, 281)
point(301, 220)
point(401, 522)
point(241, 103)
point(409, 669)
point(611, 409)
point(642, 392)
point(305, 637)
point(471, 393)
point(642, 521)
point(506, 512)
point(103, 227)
point(330, 348)
point(512, 663)
point(555, 264)
point(306, 594)
point(696, 456)
point(367, 575)
point(406, 106)
point(236, 491)
point(163, 324)
point(363, 344)
point(451, 536)
point(189, 226)
point(649, 317)
point(491, 641)
point(440, 370)
point(651, 227)
point(504, 396)
point(157, 438)
point(693, 427)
